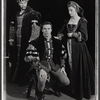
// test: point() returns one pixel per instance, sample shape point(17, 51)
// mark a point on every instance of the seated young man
point(49, 59)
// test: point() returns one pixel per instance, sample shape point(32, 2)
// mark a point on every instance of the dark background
point(55, 11)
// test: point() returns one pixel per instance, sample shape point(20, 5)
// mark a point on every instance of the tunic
point(18, 32)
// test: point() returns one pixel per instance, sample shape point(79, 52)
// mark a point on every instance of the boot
point(55, 88)
point(39, 95)
point(40, 98)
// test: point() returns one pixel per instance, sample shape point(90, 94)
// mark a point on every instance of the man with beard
point(24, 27)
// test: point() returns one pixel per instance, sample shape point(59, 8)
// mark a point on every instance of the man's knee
point(66, 81)
point(41, 80)
point(41, 83)
point(42, 76)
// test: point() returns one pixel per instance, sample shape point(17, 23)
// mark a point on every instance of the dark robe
point(57, 48)
point(19, 66)
point(82, 71)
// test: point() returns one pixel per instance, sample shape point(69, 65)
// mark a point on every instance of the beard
point(23, 8)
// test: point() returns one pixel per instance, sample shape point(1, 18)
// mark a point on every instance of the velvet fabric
point(57, 48)
point(19, 66)
point(82, 73)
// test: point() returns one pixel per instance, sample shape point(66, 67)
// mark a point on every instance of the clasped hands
point(73, 35)
point(69, 34)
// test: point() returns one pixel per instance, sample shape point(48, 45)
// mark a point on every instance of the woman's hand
point(70, 34)
point(76, 35)
point(60, 36)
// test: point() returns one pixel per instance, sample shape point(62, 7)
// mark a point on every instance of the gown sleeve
point(82, 31)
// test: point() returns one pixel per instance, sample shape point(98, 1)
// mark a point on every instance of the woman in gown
point(81, 69)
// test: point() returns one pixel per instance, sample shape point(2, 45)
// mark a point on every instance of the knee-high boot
point(39, 95)
point(55, 88)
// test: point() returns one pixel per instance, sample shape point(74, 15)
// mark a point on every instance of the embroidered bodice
point(71, 27)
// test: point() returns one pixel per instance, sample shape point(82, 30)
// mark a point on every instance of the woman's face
point(72, 11)
point(23, 4)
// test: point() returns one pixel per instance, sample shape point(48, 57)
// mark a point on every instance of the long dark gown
point(22, 31)
point(81, 70)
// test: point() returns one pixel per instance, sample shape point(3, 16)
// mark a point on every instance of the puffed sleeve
point(36, 25)
point(35, 15)
point(12, 29)
point(63, 56)
point(31, 54)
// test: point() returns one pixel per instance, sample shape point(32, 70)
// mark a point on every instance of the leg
point(29, 88)
point(42, 77)
point(41, 80)
point(61, 77)
point(55, 88)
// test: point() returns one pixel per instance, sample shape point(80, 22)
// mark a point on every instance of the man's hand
point(11, 42)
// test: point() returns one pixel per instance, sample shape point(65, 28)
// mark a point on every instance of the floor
point(14, 92)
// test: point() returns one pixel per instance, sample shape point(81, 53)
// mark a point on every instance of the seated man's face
point(23, 4)
point(46, 29)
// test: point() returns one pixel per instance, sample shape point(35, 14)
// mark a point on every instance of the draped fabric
point(22, 26)
point(54, 58)
point(81, 69)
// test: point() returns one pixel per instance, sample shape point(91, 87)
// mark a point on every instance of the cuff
point(78, 36)
point(11, 40)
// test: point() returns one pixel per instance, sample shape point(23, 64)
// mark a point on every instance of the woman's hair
point(78, 9)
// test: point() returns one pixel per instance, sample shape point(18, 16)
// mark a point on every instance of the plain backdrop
point(56, 12)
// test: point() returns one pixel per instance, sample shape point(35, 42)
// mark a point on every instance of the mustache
point(23, 7)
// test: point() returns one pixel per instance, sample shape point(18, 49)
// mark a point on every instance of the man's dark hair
point(46, 23)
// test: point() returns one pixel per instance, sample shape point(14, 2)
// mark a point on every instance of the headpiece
point(78, 9)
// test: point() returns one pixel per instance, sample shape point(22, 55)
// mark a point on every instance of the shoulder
point(66, 21)
point(39, 42)
point(28, 9)
point(35, 12)
point(55, 40)
point(82, 19)
point(15, 14)
point(31, 10)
